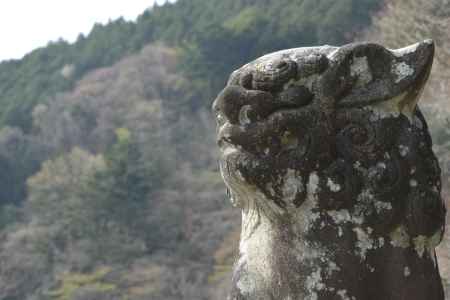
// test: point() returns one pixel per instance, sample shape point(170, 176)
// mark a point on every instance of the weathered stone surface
point(330, 160)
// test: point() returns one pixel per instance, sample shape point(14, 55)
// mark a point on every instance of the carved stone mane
point(329, 158)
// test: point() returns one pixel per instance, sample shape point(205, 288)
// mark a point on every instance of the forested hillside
point(109, 186)
point(214, 33)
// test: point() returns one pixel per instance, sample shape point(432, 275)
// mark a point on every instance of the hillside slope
point(110, 187)
point(250, 26)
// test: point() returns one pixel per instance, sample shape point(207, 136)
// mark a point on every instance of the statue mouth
point(265, 137)
point(252, 121)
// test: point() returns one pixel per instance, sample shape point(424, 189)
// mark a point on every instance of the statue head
point(343, 122)
point(328, 155)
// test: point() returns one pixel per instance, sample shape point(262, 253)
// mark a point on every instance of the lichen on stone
point(328, 156)
point(399, 237)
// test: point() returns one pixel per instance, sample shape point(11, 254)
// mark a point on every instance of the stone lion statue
point(329, 158)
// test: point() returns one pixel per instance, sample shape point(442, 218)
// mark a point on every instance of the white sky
point(29, 24)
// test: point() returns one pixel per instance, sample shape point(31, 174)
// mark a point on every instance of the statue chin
point(327, 154)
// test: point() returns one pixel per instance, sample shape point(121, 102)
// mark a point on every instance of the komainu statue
point(329, 158)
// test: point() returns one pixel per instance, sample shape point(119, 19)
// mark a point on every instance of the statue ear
point(376, 74)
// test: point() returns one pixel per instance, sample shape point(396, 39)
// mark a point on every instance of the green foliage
point(224, 33)
point(72, 282)
point(20, 157)
point(247, 20)
point(119, 196)
point(55, 194)
point(122, 188)
point(249, 29)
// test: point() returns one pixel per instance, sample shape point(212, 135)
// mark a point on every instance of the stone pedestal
point(329, 158)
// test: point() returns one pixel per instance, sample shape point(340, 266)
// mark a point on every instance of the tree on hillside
point(256, 27)
point(55, 197)
point(20, 157)
point(215, 49)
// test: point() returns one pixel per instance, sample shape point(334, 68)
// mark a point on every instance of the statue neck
point(318, 255)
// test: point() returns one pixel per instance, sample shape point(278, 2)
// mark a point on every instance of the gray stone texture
point(329, 158)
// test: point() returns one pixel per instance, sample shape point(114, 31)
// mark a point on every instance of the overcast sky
point(28, 24)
